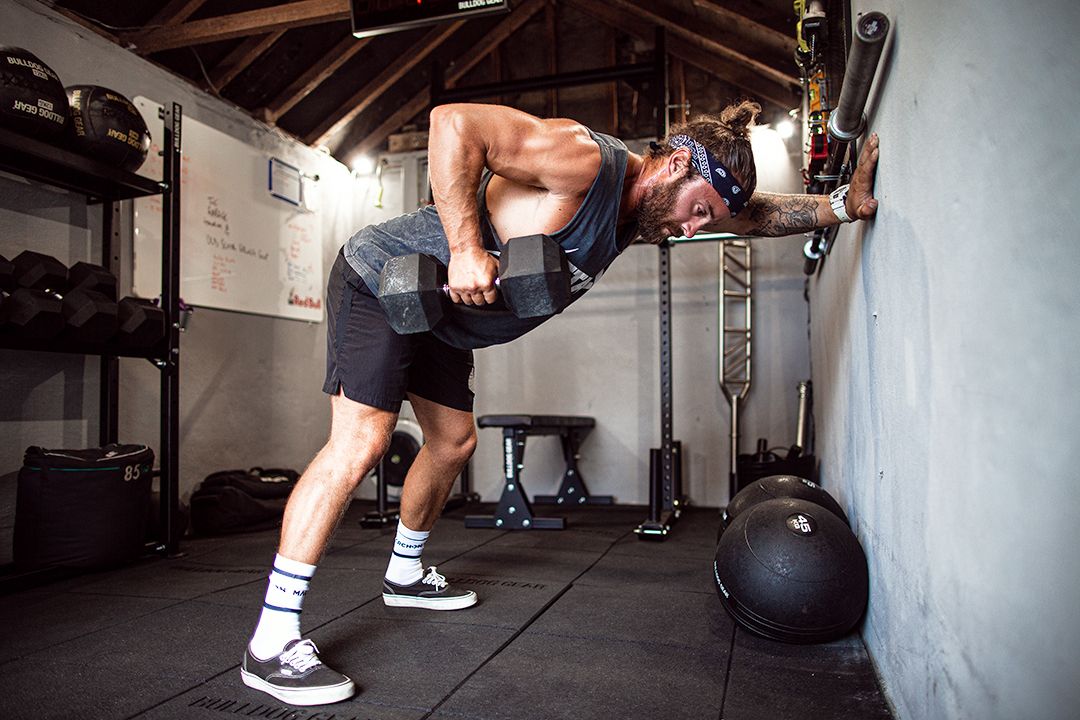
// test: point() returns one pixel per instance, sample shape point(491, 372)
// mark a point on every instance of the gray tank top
point(589, 240)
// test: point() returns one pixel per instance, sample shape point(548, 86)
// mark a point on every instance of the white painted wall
point(944, 360)
point(250, 385)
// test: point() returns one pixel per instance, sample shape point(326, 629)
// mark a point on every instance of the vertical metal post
point(663, 503)
point(109, 386)
point(170, 303)
point(666, 409)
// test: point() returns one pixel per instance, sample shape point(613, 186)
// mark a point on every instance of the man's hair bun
point(740, 117)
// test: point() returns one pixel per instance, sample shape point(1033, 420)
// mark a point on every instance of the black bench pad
point(537, 424)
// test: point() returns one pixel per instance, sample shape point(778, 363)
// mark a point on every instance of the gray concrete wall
point(944, 345)
point(250, 385)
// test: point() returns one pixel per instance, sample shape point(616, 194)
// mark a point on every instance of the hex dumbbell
point(141, 324)
point(90, 311)
point(534, 281)
point(34, 308)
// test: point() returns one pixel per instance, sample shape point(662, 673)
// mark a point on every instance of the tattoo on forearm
point(777, 215)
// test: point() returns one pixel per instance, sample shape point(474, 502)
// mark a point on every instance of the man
point(496, 173)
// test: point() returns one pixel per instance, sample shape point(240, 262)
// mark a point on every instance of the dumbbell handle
point(446, 288)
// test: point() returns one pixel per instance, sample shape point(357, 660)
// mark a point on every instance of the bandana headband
point(722, 179)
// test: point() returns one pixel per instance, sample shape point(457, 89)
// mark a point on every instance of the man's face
point(682, 205)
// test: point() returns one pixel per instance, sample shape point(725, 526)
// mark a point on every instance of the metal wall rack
point(55, 166)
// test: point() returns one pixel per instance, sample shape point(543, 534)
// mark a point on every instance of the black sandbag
point(82, 508)
point(264, 484)
point(224, 509)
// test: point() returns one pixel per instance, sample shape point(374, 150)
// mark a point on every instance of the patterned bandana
point(722, 180)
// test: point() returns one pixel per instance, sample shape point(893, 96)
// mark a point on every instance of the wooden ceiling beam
point(174, 13)
point(679, 25)
point(241, 58)
point(242, 24)
point(314, 76)
point(419, 102)
point(363, 98)
point(756, 86)
point(743, 26)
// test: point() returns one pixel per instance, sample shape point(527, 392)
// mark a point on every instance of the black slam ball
point(780, 486)
point(106, 125)
point(32, 99)
point(789, 570)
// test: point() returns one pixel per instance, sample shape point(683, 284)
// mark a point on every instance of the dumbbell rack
point(55, 166)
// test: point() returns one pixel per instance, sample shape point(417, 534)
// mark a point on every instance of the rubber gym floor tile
point(642, 616)
point(393, 684)
point(124, 669)
point(777, 681)
point(678, 545)
point(503, 602)
point(569, 540)
point(34, 621)
point(243, 549)
point(181, 578)
point(405, 664)
point(520, 564)
point(332, 593)
point(659, 570)
point(552, 677)
point(222, 699)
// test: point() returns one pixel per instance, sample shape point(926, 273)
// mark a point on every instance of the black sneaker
point(296, 676)
point(431, 592)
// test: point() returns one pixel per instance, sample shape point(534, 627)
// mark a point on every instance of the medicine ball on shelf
point(790, 570)
point(107, 126)
point(780, 486)
point(32, 99)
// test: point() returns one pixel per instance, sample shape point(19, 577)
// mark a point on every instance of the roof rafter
point(242, 24)
point(175, 12)
point(678, 24)
point(240, 59)
point(632, 22)
point(314, 76)
point(745, 27)
point(507, 27)
point(365, 96)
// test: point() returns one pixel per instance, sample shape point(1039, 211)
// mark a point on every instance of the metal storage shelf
point(63, 168)
point(56, 166)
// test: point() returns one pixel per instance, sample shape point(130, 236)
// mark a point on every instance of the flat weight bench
point(514, 511)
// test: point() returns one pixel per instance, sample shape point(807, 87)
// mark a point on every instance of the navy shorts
point(374, 365)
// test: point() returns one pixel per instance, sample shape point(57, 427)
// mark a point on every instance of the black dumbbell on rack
point(534, 281)
point(90, 311)
point(34, 306)
point(44, 300)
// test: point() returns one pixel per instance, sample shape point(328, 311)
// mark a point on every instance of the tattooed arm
point(775, 215)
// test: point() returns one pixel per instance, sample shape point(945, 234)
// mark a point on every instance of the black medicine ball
point(789, 570)
point(107, 126)
point(32, 99)
point(780, 486)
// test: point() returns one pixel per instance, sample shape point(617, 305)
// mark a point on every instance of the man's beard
point(655, 221)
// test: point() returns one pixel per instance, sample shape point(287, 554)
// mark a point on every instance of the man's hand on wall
point(861, 203)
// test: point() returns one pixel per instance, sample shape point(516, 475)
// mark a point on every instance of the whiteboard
point(240, 248)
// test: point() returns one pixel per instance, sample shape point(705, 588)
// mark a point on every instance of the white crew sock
point(280, 619)
point(405, 567)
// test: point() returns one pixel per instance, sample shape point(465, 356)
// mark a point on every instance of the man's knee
point(353, 459)
point(454, 447)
